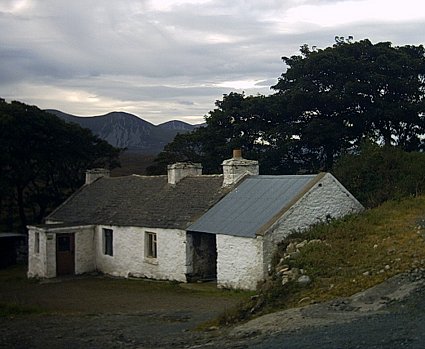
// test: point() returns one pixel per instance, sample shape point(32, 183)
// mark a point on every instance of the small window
point(107, 242)
point(36, 242)
point(151, 250)
point(63, 243)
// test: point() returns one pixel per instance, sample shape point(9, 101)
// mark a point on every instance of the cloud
point(165, 59)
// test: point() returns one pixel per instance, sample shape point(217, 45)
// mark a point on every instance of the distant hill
point(126, 130)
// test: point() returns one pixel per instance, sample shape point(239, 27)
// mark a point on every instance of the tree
point(352, 91)
point(326, 103)
point(43, 159)
point(238, 121)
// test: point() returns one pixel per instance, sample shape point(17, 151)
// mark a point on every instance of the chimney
point(95, 173)
point(179, 170)
point(237, 167)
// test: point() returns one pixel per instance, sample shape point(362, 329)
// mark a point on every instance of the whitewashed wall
point(239, 262)
point(36, 261)
point(43, 263)
point(129, 253)
point(84, 250)
point(328, 198)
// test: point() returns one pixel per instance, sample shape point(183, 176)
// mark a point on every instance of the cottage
point(185, 226)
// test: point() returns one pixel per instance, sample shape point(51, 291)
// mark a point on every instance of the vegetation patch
point(91, 294)
point(9, 310)
point(341, 258)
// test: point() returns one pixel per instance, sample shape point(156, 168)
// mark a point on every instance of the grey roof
point(253, 204)
point(141, 201)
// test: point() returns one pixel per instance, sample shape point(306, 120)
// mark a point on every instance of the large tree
point(352, 91)
point(327, 101)
point(43, 160)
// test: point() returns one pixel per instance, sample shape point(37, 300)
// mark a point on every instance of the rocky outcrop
point(283, 269)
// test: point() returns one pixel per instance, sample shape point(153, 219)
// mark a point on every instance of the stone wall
point(239, 262)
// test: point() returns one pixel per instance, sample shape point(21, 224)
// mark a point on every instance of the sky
point(172, 59)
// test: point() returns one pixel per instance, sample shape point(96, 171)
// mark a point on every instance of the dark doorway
point(65, 254)
point(204, 257)
point(13, 249)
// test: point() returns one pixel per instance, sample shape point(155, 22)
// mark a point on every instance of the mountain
point(126, 130)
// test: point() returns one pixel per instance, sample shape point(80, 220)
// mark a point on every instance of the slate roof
point(141, 201)
point(253, 204)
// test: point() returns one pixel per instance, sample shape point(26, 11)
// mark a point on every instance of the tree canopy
point(43, 160)
point(326, 103)
point(344, 94)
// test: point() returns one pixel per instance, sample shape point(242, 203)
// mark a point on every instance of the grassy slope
point(356, 253)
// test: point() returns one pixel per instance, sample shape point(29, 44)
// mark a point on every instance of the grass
point(355, 253)
point(20, 296)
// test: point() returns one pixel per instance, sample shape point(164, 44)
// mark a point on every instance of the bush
point(377, 174)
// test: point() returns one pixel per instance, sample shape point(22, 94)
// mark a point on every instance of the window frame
point(151, 245)
point(108, 242)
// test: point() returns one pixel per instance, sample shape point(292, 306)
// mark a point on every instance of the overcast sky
point(172, 59)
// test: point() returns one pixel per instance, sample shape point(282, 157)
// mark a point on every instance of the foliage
point(238, 121)
point(352, 91)
point(43, 160)
point(326, 103)
point(379, 173)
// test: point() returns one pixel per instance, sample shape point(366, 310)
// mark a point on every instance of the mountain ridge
point(125, 130)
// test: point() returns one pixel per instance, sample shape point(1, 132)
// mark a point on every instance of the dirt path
point(102, 312)
point(386, 315)
point(117, 316)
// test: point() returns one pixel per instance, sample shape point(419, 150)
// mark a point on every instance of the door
point(204, 257)
point(65, 254)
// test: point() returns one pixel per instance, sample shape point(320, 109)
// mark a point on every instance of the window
point(107, 242)
point(36, 242)
point(150, 243)
point(64, 243)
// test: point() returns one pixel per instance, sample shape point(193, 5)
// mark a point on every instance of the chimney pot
point(237, 153)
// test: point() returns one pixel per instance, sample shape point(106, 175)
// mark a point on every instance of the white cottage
point(185, 226)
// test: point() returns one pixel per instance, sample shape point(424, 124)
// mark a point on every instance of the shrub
point(380, 173)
